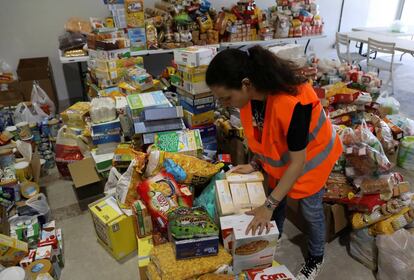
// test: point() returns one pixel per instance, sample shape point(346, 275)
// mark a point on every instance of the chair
point(380, 64)
point(346, 57)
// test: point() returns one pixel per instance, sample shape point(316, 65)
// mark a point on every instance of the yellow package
point(163, 258)
point(75, 115)
point(135, 13)
point(197, 171)
point(152, 272)
point(393, 223)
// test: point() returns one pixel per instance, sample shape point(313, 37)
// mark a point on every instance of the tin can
point(13, 131)
point(45, 127)
point(53, 128)
point(35, 132)
point(49, 161)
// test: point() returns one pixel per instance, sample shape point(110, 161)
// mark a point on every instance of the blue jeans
point(312, 211)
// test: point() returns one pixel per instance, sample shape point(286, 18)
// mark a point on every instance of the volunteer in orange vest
point(288, 133)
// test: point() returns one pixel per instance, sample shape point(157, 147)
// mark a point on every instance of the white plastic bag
point(29, 113)
point(39, 203)
point(406, 124)
point(396, 256)
point(405, 157)
point(102, 110)
point(389, 105)
point(363, 248)
point(122, 185)
point(40, 97)
point(113, 178)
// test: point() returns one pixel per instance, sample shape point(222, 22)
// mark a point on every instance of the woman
point(288, 133)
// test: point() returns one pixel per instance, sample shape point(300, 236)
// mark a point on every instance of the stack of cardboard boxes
point(236, 195)
point(194, 94)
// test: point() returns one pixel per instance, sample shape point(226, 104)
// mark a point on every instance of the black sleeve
point(298, 133)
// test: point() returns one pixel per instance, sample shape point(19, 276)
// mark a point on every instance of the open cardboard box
point(335, 218)
point(86, 181)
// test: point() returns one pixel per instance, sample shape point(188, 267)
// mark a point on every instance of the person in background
point(289, 135)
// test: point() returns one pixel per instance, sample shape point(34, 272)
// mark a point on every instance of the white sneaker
point(310, 269)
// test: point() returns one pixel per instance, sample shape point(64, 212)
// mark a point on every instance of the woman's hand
point(242, 169)
point(262, 216)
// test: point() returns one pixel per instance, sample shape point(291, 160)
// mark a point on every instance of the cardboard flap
point(339, 217)
point(83, 172)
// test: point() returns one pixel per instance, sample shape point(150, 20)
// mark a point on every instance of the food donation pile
point(170, 24)
point(31, 243)
point(375, 139)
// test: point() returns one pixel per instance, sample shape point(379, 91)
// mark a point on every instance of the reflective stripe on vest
point(284, 159)
point(311, 164)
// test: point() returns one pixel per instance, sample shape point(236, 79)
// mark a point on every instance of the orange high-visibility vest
point(323, 150)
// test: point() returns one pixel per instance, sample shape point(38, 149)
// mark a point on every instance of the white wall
point(31, 28)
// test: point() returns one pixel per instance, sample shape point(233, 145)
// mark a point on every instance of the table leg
point(82, 80)
point(307, 45)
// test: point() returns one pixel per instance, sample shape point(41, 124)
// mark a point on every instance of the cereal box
point(276, 272)
point(252, 251)
point(135, 13)
point(12, 251)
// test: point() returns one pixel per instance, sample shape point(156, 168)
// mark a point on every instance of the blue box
point(195, 248)
point(98, 139)
point(208, 131)
point(156, 114)
point(159, 126)
point(138, 39)
point(107, 127)
point(197, 109)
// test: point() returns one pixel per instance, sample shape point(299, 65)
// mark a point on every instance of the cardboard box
point(256, 193)
point(240, 197)
point(143, 219)
point(198, 120)
point(195, 100)
point(105, 65)
point(252, 251)
point(195, 88)
point(336, 218)
point(138, 39)
point(224, 203)
point(186, 141)
point(12, 96)
point(12, 251)
point(44, 253)
point(145, 246)
point(37, 68)
point(104, 138)
point(194, 56)
point(197, 247)
point(163, 113)
point(138, 102)
point(107, 127)
point(244, 178)
point(114, 230)
point(158, 126)
point(275, 272)
point(86, 180)
point(197, 109)
point(109, 55)
point(103, 162)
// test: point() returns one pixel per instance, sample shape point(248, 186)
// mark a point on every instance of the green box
point(139, 102)
point(185, 141)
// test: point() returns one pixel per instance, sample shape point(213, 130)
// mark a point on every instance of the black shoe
point(310, 269)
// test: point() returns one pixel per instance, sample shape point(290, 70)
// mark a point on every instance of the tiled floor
point(86, 259)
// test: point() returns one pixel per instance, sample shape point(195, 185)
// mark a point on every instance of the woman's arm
point(293, 172)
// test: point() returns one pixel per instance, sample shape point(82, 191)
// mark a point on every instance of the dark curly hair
point(267, 72)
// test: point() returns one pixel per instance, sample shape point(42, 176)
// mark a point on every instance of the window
point(407, 14)
point(382, 12)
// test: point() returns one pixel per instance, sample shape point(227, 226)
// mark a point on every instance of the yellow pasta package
point(186, 169)
point(135, 13)
point(393, 223)
point(167, 267)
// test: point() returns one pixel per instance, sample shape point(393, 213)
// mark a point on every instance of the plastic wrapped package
point(363, 248)
point(348, 137)
point(389, 105)
point(384, 134)
point(75, 115)
point(405, 124)
point(102, 110)
point(161, 194)
point(405, 157)
point(168, 268)
point(69, 148)
point(369, 138)
point(113, 178)
point(71, 41)
point(396, 256)
point(364, 160)
point(207, 198)
point(188, 223)
point(393, 223)
point(381, 184)
point(337, 187)
point(197, 171)
point(76, 24)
